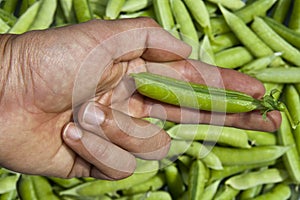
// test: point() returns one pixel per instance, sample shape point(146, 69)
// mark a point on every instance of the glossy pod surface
point(192, 95)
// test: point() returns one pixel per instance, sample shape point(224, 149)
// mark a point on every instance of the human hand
point(49, 75)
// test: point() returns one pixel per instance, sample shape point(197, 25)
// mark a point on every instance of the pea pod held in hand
point(197, 96)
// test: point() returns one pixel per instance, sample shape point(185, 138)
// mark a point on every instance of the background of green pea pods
point(243, 164)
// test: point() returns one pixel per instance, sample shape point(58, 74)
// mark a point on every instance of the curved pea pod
point(260, 138)
point(224, 41)
point(289, 35)
point(153, 184)
point(174, 181)
point(210, 190)
point(276, 42)
point(113, 8)
point(45, 15)
point(164, 16)
point(8, 18)
point(35, 187)
point(233, 57)
point(277, 75)
point(280, 192)
point(82, 10)
point(186, 26)
point(291, 157)
point(223, 135)
point(255, 45)
point(254, 155)
point(195, 150)
point(251, 179)
point(26, 19)
point(3, 27)
point(259, 63)
point(8, 183)
point(247, 13)
point(135, 5)
point(230, 170)
point(292, 99)
point(251, 192)
point(227, 193)
point(91, 189)
point(200, 14)
point(197, 180)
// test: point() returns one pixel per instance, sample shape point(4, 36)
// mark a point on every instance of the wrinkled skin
point(39, 70)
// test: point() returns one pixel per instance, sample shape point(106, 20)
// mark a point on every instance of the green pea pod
point(281, 10)
point(192, 95)
point(135, 5)
point(222, 135)
point(8, 183)
point(260, 138)
point(3, 27)
point(91, 189)
point(65, 183)
point(200, 14)
point(12, 195)
point(277, 75)
point(10, 5)
point(186, 26)
point(25, 5)
point(224, 41)
point(247, 13)
point(35, 188)
point(291, 157)
point(231, 4)
point(206, 52)
point(254, 155)
point(259, 63)
point(281, 191)
point(82, 10)
point(251, 179)
point(233, 57)
point(152, 195)
point(25, 20)
point(294, 22)
point(68, 11)
point(230, 170)
point(164, 16)
point(174, 181)
point(227, 193)
point(197, 180)
point(7, 17)
point(288, 34)
point(153, 184)
point(195, 150)
point(45, 15)
point(210, 190)
point(275, 41)
point(113, 8)
point(256, 46)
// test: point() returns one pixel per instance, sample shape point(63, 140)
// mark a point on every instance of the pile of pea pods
point(260, 38)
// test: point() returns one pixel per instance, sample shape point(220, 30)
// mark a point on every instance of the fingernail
point(93, 115)
point(72, 132)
